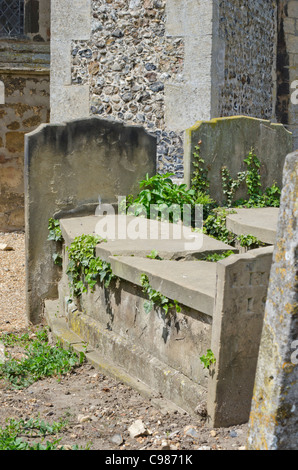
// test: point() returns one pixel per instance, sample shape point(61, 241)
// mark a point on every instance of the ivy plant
point(208, 359)
point(230, 185)
point(84, 268)
point(156, 298)
point(214, 257)
point(199, 181)
point(55, 232)
point(249, 241)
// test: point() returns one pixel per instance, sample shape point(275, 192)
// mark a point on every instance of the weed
point(214, 257)
point(55, 232)
point(12, 435)
point(160, 196)
point(40, 360)
point(215, 225)
point(84, 268)
point(249, 241)
point(199, 181)
point(156, 298)
point(154, 255)
point(208, 359)
point(230, 185)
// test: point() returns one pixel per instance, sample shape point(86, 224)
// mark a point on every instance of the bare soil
point(97, 409)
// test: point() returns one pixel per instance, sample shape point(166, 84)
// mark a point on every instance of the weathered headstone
point(68, 167)
point(227, 141)
point(273, 421)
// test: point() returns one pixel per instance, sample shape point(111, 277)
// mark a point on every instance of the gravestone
point(68, 167)
point(227, 141)
point(274, 411)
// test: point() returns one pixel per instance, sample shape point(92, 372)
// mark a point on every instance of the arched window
point(11, 18)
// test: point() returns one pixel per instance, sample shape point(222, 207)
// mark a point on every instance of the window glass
point(11, 18)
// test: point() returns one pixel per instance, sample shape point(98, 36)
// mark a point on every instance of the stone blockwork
point(165, 64)
point(291, 37)
point(126, 63)
point(248, 31)
point(24, 97)
point(26, 105)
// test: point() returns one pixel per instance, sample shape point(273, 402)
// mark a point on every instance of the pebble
point(5, 247)
point(84, 418)
point(117, 439)
point(2, 353)
point(137, 429)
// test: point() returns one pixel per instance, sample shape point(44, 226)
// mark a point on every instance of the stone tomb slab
point(260, 222)
point(117, 230)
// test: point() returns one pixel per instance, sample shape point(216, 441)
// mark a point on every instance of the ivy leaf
point(148, 306)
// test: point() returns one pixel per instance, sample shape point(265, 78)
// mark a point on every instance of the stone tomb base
point(222, 308)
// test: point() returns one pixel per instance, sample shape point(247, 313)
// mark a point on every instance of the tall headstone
point(273, 423)
point(68, 167)
point(227, 142)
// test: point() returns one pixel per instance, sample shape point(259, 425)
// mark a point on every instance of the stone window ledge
point(24, 55)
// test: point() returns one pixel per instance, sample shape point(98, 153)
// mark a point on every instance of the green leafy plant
point(272, 196)
point(199, 181)
point(84, 268)
point(154, 255)
point(156, 298)
point(215, 225)
point(19, 435)
point(253, 177)
point(55, 232)
point(40, 360)
point(230, 185)
point(208, 359)
point(166, 196)
point(249, 241)
point(214, 257)
point(57, 258)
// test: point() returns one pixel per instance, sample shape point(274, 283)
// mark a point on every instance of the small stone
point(118, 33)
point(117, 439)
point(165, 445)
point(127, 97)
point(191, 431)
point(84, 418)
point(157, 86)
point(213, 433)
point(233, 434)
point(117, 66)
point(64, 447)
point(150, 67)
point(204, 448)
point(137, 429)
point(2, 353)
point(5, 247)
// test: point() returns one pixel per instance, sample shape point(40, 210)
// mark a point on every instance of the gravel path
point(12, 282)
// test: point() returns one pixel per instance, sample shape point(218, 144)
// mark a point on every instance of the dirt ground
point(98, 410)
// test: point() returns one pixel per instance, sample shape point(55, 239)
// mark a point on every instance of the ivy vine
point(84, 268)
point(156, 298)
